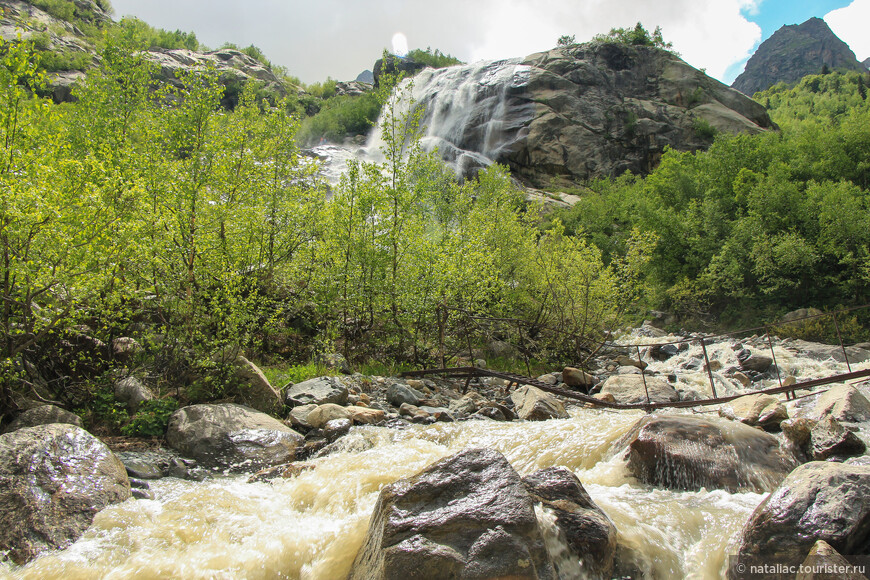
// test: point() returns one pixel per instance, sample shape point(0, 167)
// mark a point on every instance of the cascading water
point(472, 114)
point(310, 526)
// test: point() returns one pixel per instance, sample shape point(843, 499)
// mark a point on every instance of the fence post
point(642, 375)
point(773, 356)
point(842, 346)
point(709, 370)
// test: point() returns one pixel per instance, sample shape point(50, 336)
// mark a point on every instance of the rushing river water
point(311, 526)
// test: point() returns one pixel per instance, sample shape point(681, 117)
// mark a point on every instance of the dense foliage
point(203, 233)
point(768, 222)
point(637, 36)
point(435, 59)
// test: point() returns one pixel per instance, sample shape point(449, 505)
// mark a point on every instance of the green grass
point(281, 375)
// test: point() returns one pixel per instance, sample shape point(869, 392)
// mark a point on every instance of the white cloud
point(340, 38)
point(850, 24)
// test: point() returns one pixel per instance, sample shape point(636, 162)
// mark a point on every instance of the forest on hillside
point(203, 234)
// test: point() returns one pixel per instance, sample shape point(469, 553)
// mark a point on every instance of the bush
point(152, 418)
point(436, 59)
point(339, 118)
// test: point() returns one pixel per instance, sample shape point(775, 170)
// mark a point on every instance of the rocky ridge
point(792, 52)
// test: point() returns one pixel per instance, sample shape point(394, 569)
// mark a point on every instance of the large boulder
point(132, 392)
point(830, 439)
point(825, 563)
point(43, 415)
point(824, 352)
point(630, 389)
point(253, 389)
point(399, 394)
point(466, 516)
point(533, 404)
point(759, 410)
point(817, 501)
point(588, 532)
point(53, 480)
point(231, 436)
point(318, 391)
point(843, 403)
point(687, 452)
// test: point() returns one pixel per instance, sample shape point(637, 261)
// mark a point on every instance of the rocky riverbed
point(370, 477)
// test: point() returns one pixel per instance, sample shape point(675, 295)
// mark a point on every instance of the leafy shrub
point(824, 329)
point(435, 59)
point(142, 35)
point(340, 117)
point(637, 36)
point(152, 418)
point(704, 129)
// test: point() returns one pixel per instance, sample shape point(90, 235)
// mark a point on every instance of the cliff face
point(793, 52)
point(575, 113)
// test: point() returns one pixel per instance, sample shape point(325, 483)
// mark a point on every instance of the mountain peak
point(792, 52)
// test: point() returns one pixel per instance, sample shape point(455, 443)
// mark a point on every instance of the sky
point(341, 38)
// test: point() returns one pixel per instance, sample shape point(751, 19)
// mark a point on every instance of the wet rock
point(687, 453)
point(627, 361)
point(630, 389)
point(843, 403)
point(334, 429)
point(469, 403)
point(285, 471)
point(140, 467)
point(663, 352)
point(466, 516)
point(830, 439)
point(491, 413)
point(43, 415)
point(399, 394)
point(760, 410)
point(576, 378)
point(231, 436)
point(825, 563)
point(142, 493)
point(533, 404)
point(820, 500)
point(586, 530)
point(798, 432)
point(253, 389)
point(132, 393)
point(755, 362)
point(317, 391)
point(53, 480)
point(322, 414)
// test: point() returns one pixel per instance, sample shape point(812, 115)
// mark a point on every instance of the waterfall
point(473, 114)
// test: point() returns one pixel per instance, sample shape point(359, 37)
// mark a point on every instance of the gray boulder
point(823, 352)
point(466, 516)
point(630, 389)
point(399, 394)
point(687, 452)
point(533, 404)
point(817, 501)
point(589, 534)
point(318, 391)
point(577, 378)
point(756, 362)
point(825, 563)
point(132, 393)
point(53, 480)
point(43, 415)
point(843, 403)
point(231, 436)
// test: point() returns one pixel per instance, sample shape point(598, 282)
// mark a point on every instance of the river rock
point(843, 403)
point(334, 429)
point(365, 415)
point(663, 352)
point(298, 416)
point(830, 439)
point(231, 436)
point(53, 480)
point(322, 414)
point(588, 532)
point(398, 394)
point(533, 404)
point(755, 362)
point(760, 410)
point(132, 393)
point(630, 389)
point(253, 389)
point(576, 378)
point(466, 516)
point(318, 391)
point(825, 563)
point(687, 453)
point(819, 500)
point(43, 415)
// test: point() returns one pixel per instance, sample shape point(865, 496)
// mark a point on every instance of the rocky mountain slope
point(66, 32)
point(793, 52)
